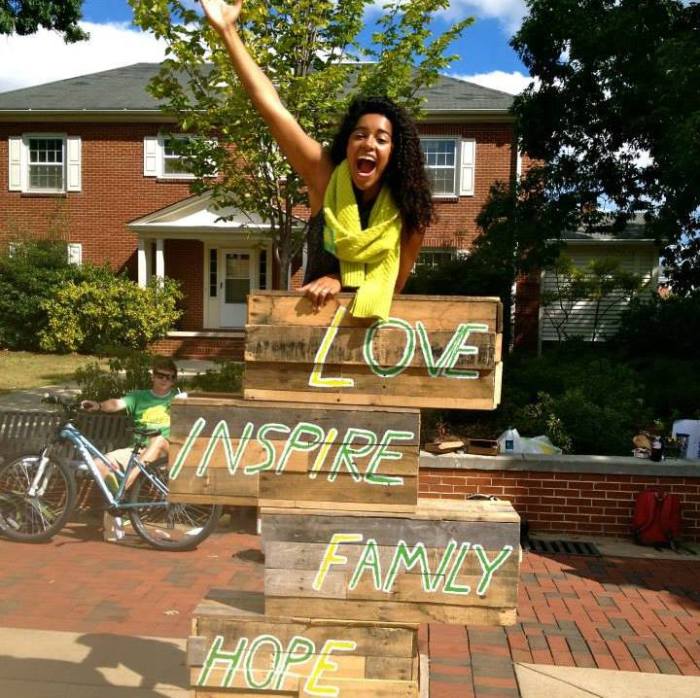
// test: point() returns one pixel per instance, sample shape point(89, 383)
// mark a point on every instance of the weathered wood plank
point(432, 352)
point(236, 413)
point(232, 452)
point(388, 531)
point(283, 555)
point(285, 308)
point(274, 343)
point(388, 611)
point(497, 511)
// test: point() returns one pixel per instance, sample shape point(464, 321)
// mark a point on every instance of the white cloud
point(513, 83)
point(44, 57)
point(509, 13)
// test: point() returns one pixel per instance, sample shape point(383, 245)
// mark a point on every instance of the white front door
point(235, 272)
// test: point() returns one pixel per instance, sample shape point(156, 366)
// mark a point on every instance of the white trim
point(224, 334)
point(72, 165)
point(142, 263)
point(74, 252)
point(150, 156)
point(455, 169)
point(160, 259)
point(16, 172)
point(467, 166)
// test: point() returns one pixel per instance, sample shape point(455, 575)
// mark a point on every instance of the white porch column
point(142, 264)
point(160, 259)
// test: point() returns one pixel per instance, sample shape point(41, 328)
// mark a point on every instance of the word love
point(304, 437)
point(278, 663)
point(408, 557)
point(457, 347)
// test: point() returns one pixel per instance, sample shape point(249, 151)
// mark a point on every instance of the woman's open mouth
point(365, 167)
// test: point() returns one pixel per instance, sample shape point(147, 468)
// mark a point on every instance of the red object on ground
point(657, 518)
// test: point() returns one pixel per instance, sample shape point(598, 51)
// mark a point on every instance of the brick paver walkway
point(611, 613)
point(628, 614)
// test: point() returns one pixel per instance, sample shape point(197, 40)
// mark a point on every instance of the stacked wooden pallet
point(354, 561)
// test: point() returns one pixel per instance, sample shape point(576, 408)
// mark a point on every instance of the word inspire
point(444, 366)
point(304, 437)
point(279, 663)
point(446, 573)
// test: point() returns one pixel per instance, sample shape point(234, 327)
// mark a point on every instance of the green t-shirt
point(150, 411)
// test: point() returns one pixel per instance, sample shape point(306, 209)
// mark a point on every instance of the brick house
point(91, 155)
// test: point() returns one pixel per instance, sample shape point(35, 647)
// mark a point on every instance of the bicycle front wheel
point(165, 525)
point(38, 517)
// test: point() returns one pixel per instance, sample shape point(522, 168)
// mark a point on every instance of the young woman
point(369, 196)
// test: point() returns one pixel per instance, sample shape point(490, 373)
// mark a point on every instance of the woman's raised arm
point(305, 155)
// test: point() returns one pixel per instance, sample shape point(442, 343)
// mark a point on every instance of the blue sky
point(485, 55)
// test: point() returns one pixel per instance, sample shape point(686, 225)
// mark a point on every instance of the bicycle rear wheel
point(34, 519)
point(169, 526)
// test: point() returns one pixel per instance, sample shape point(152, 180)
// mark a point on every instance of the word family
point(444, 578)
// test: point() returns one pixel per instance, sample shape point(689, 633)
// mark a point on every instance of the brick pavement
point(610, 613)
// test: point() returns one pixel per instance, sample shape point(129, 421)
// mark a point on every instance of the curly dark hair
point(405, 174)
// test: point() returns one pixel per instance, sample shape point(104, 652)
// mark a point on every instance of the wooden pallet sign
point(449, 562)
point(235, 650)
point(293, 454)
point(434, 351)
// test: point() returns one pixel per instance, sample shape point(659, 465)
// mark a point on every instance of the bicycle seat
point(146, 433)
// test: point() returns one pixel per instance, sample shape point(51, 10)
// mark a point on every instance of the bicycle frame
point(88, 453)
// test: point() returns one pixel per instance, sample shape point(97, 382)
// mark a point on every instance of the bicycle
point(38, 493)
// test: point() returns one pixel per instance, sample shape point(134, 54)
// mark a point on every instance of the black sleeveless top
point(319, 262)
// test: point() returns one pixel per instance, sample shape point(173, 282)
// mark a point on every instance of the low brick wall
point(566, 494)
point(229, 348)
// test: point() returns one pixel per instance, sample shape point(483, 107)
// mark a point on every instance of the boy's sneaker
point(113, 528)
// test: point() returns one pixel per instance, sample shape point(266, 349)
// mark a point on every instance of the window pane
point(173, 162)
point(440, 163)
point(45, 177)
point(236, 290)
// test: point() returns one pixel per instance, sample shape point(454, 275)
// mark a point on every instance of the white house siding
point(636, 257)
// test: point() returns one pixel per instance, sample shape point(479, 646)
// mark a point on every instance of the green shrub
point(108, 311)
point(129, 370)
point(226, 378)
point(661, 326)
point(29, 277)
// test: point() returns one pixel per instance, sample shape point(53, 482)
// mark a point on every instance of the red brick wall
point(230, 348)
point(583, 503)
point(494, 160)
point(114, 191)
point(527, 309)
point(184, 262)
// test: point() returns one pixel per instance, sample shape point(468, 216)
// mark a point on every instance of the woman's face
point(368, 153)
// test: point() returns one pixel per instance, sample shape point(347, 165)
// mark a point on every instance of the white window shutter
point(75, 253)
point(466, 174)
point(150, 156)
point(15, 148)
point(73, 164)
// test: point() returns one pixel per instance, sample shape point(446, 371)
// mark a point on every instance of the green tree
point(615, 118)
point(309, 48)
point(27, 16)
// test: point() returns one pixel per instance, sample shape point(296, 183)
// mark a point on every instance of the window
point(441, 161)
point(262, 270)
point(450, 165)
point(431, 259)
point(213, 279)
point(163, 157)
point(173, 161)
point(44, 163)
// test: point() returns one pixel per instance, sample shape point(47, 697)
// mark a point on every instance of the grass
point(21, 370)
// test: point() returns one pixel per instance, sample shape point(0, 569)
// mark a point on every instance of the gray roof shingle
point(123, 89)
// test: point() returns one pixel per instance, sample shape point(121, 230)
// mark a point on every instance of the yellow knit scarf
point(369, 259)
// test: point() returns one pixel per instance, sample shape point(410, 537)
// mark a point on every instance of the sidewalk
point(114, 618)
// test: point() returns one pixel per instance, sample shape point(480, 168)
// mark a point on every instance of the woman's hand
point(321, 290)
point(221, 14)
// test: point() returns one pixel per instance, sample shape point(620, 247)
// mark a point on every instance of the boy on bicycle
point(150, 409)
